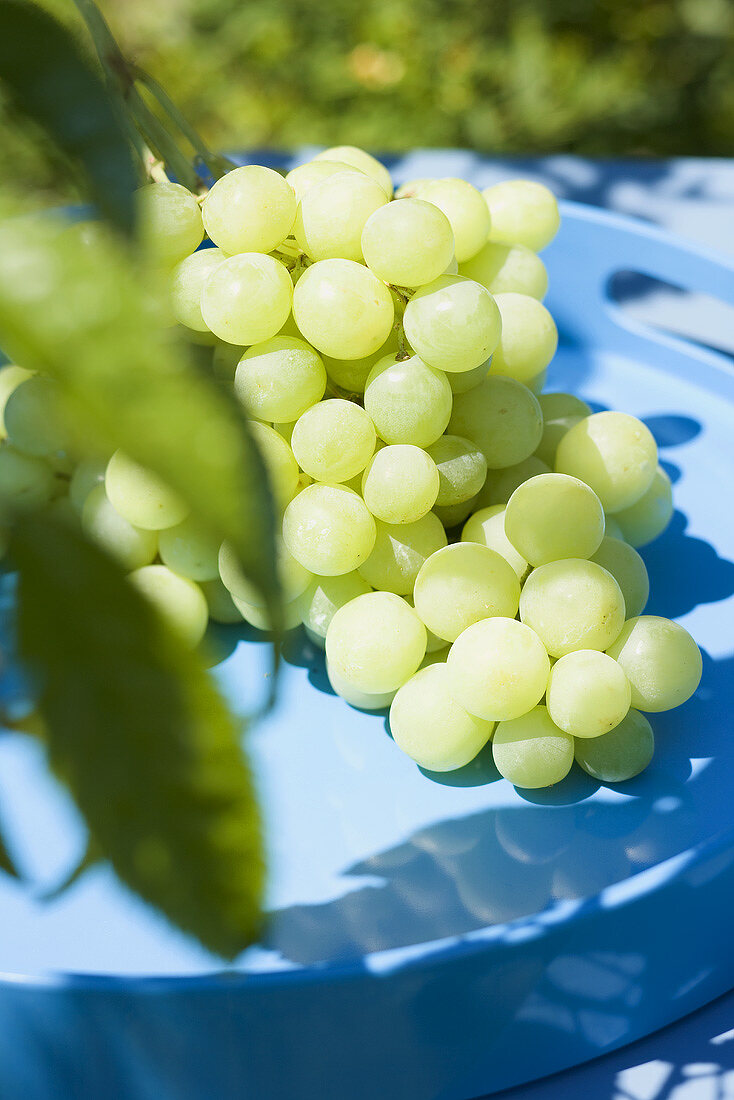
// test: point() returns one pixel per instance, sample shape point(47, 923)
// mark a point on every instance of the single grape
point(132, 546)
point(279, 379)
point(588, 693)
point(620, 754)
point(89, 473)
point(531, 751)
point(26, 483)
point(487, 527)
point(508, 268)
point(362, 700)
point(303, 178)
point(333, 213)
point(190, 550)
point(399, 552)
point(408, 243)
point(179, 602)
point(324, 596)
point(572, 604)
point(468, 379)
point(554, 516)
point(250, 209)
point(334, 440)
point(33, 418)
point(461, 584)
point(648, 517)
point(522, 212)
point(501, 484)
point(553, 432)
point(259, 616)
point(409, 402)
point(612, 452)
point(453, 323)
point(343, 309)
point(529, 338)
point(462, 469)
point(502, 417)
point(293, 578)
point(329, 529)
point(429, 725)
point(140, 496)
point(171, 226)
point(628, 570)
point(661, 660)
point(247, 298)
point(499, 669)
point(466, 211)
point(10, 378)
point(187, 282)
point(219, 602)
point(400, 484)
point(559, 404)
point(375, 642)
point(281, 466)
point(357, 158)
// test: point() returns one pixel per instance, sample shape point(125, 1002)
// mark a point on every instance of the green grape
point(502, 417)
point(531, 751)
point(303, 178)
point(409, 402)
point(661, 660)
point(334, 440)
point(343, 309)
point(501, 484)
point(10, 377)
point(620, 754)
point(170, 222)
point(247, 298)
point(220, 603)
point(588, 693)
point(462, 584)
point(487, 527)
point(468, 379)
point(333, 213)
point(554, 516)
point(286, 431)
point(508, 269)
point(259, 617)
point(553, 432)
point(628, 570)
point(648, 517)
point(536, 384)
point(612, 452)
point(613, 530)
point(462, 469)
point(33, 418)
point(132, 546)
point(187, 282)
point(293, 578)
point(357, 158)
point(466, 211)
point(279, 379)
point(411, 189)
point(324, 596)
point(399, 552)
point(89, 473)
point(408, 243)
point(190, 550)
point(522, 212)
point(453, 323)
point(499, 669)
point(362, 700)
point(375, 642)
point(225, 360)
point(572, 604)
point(251, 209)
point(429, 725)
point(529, 338)
point(26, 483)
point(179, 602)
point(281, 466)
point(400, 484)
point(559, 404)
point(328, 529)
point(451, 515)
point(140, 496)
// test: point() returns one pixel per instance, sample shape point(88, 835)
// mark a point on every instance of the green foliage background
point(597, 77)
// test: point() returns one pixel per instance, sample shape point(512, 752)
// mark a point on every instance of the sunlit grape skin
point(612, 452)
point(279, 379)
point(466, 211)
point(332, 215)
point(522, 212)
point(529, 337)
point(400, 484)
point(499, 669)
point(399, 552)
point(504, 268)
point(572, 604)
point(532, 519)
point(588, 693)
point(187, 282)
point(250, 209)
point(628, 569)
point(502, 417)
point(661, 660)
point(648, 517)
point(328, 529)
point(620, 754)
point(140, 496)
point(376, 642)
point(453, 323)
point(170, 221)
point(247, 298)
point(408, 243)
point(334, 440)
point(342, 309)
point(530, 751)
point(178, 600)
point(409, 401)
point(462, 584)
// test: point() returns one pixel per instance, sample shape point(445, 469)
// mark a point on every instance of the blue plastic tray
point(432, 938)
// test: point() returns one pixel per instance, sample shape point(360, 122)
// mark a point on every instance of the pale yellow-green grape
point(502, 417)
point(400, 484)
point(411, 189)
point(536, 384)
point(648, 517)
point(554, 516)
point(247, 298)
point(170, 222)
point(661, 660)
point(408, 243)
point(362, 700)
point(357, 158)
point(343, 309)
point(399, 552)
point(461, 584)
point(628, 570)
point(409, 402)
point(453, 323)
point(329, 529)
point(334, 440)
point(351, 375)
point(333, 213)
point(190, 550)
point(487, 527)
point(279, 379)
point(225, 360)
point(531, 751)
point(588, 693)
point(315, 638)
point(468, 379)
point(375, 642)
point(140, 496)
point(187, 283)
point(499, 669)
point(303, 178)
point(620, 754)
point(529, 338)
point(132, 546)
point(522, 212)
point(293, 578)
point(26, 483)
point(281, 466)
point(553, 432)
point(572, 604)
point(508, 268)
point(324, 596)
point(613, 530)
point(612, 452)
point(452, 515)
point(220, 603)
point(179, 601)
point(555, 405)
point(462, 469)
point(251, 209)
point(501, 484)
point(466, 211)
point(10, 377)
point(89, 473)
point(259, 617)
point(429, 725)
point(33, 418)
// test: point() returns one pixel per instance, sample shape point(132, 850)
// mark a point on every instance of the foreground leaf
point(142, 738)
point(6, 862)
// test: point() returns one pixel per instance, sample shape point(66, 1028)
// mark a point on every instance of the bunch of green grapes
point(461, 544)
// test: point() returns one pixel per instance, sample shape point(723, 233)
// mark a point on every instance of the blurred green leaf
point(52, 82)
point(93, 854)
point(144, 741)
point(6, 862)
